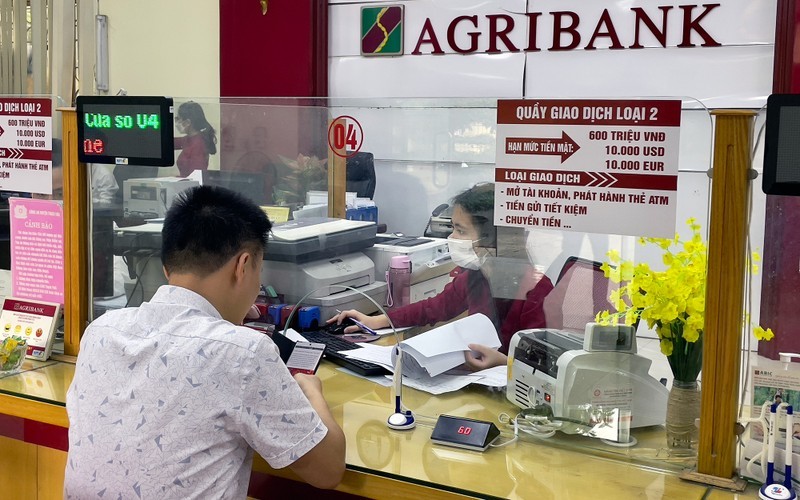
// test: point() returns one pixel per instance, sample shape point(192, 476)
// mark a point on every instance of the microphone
point(402, 419)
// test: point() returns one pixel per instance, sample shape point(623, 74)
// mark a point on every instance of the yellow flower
point(671, 301)
point(762, 334)
point(666, 347)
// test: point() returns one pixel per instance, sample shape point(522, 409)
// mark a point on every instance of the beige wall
point(159, 47)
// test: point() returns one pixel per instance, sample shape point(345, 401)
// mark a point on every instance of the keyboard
point(335, 343)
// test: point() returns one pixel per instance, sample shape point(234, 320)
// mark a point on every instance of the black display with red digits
point(126, 130)
point(464, 432)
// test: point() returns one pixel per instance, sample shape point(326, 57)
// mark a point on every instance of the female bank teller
point(472, 244)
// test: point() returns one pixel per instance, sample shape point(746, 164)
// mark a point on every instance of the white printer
point(430, 261)
point(150, 198)
point(566, 372)
point(324, 255)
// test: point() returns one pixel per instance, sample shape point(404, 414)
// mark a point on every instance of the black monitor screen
point(782, 145)
point(125, 130)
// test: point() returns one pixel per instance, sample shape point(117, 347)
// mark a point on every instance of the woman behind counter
point(199, 141)
point(472, 245)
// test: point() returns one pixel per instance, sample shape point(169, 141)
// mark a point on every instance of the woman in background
point(472, 244)
point(199, 142)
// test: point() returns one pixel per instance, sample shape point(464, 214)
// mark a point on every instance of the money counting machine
point(565, 373)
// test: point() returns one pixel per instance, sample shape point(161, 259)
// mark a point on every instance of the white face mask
point(463, 254)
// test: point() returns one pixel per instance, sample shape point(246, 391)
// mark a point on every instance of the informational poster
point(37, 249)
point(774, 386)
point(600, 166)
point(26, 143)
point(33, 321)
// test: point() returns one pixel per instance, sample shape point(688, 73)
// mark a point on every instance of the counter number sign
point(345, 136)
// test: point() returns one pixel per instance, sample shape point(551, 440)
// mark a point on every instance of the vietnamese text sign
point(600, 166)
point(37, 249)
point(25, 145)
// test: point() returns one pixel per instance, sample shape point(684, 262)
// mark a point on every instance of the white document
point(436, 351)
point(493, 377)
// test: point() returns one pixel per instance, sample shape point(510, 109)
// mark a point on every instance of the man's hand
point(481, 357)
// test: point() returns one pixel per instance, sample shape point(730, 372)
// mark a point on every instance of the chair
point(580, 292)
point(360, 171)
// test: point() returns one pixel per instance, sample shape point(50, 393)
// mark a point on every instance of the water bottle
point(398, 279)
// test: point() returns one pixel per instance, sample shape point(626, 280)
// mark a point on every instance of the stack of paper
point(436, 351)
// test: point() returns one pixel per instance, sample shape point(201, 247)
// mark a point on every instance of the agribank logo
point(382, 31)
point(614, 29)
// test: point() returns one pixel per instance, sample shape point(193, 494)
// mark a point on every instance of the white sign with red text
point(599, 166)
point(26, 141)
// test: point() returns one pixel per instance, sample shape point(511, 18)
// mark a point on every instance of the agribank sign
point(681, 26)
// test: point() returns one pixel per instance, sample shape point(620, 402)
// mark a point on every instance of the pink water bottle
point(398, 279)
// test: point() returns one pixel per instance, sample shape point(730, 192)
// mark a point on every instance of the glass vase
point(683, 408)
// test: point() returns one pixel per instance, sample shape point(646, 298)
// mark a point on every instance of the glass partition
point(31, 170)
point(406, 162)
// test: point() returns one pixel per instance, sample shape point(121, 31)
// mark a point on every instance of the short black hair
point(478, 202)
point(206, 226)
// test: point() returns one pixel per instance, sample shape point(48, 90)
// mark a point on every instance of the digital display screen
point(125, 130)
point(781, 145)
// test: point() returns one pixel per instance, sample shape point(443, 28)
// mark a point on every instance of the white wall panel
point(737, 76)
point(431, 76)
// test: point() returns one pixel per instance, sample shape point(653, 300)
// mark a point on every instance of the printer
point(567, 373)
point(322, 256)
point(150, 198)
point(430, 261)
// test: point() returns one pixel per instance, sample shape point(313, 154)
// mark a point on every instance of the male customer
point(170, 398)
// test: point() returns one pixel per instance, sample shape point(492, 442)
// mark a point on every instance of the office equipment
point(323, 255)
point(126, 130)
point(334, 344)
point(781, 148)
point(248, 184)
point(315, 238)
point(468, 433)
point(430, 264)
point(151, 198)
point(440, 224)
point(565, 372)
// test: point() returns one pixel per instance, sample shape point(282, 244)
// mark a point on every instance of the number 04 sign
point(345, 136)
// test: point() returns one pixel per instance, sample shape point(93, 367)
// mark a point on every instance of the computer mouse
point(338, 329)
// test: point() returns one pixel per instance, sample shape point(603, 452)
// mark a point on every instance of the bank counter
point(381, 463)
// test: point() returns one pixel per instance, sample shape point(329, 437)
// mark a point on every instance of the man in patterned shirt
point(170, 398)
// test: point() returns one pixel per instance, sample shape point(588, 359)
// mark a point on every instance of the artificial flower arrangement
point(672, 301)
point(12, 352)
point(298, 176)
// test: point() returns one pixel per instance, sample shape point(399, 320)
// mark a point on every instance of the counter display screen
point(125, 130)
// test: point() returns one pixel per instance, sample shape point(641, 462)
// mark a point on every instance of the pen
point(361, 325)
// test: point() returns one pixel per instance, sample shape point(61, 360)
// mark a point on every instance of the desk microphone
point(400, 420)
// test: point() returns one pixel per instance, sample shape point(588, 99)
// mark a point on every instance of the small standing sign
point(32, 320)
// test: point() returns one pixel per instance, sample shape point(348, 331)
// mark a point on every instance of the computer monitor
point(248, 184)
point(782, 146)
